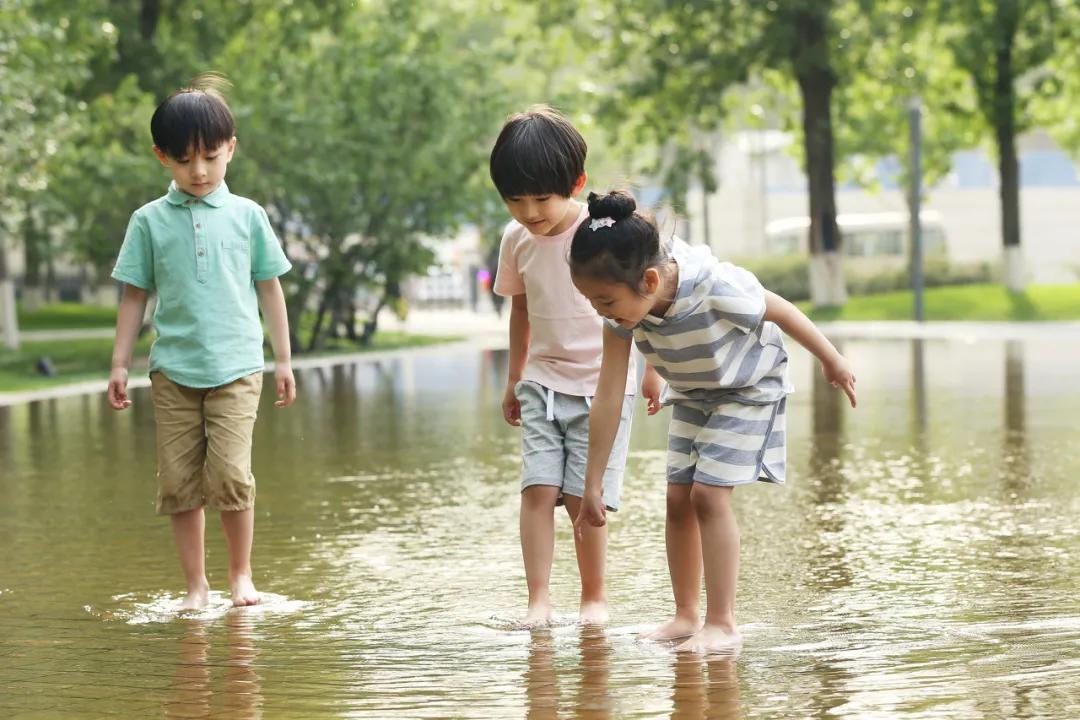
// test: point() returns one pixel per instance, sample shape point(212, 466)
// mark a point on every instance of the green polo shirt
point(202, 256)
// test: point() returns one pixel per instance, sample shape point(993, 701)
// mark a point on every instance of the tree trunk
point(8, 320)
point(1008, 166)
point(316, 331)
point(33, 259)
point(815, 86)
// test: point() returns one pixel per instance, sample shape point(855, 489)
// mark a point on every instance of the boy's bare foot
point(243, 591)
point(537, 616)
point(674, 629)
point(197, 597)
point(593, 612)
point(713, 639)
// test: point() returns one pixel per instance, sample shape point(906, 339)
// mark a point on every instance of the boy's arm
point(604, 418)
point(272, 300)
point(128, 321)
point(519, 353)
point(835, 367)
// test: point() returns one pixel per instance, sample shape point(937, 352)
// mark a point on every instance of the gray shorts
point(555, 442)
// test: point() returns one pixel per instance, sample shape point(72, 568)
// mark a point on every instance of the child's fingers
point(849, 388)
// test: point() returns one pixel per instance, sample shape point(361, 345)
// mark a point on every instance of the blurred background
point(779, 133)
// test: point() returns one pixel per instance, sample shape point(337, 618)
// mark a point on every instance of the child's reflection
point(191, 693)
point(705, 687)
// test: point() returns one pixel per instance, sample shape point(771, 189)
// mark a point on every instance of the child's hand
point(118, 398)
point(511, 408)
point(592, 512)
point(651, 387)
point(838, 372)
point(286, 385)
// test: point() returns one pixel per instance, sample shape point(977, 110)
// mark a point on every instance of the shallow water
point(921, 563)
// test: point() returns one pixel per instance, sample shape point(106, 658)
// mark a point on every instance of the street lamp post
point(915, 204)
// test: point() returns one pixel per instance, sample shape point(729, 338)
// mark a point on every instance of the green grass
point(66, 316)
point(977, 303)
point(89, 359)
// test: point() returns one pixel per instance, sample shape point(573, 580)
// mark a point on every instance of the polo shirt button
point(198, 225)
point(200, 252)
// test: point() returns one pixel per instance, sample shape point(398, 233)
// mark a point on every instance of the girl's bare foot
point(197, 597)
point(713, 639)
point(593, 612)
point(243, 591)
point(537, 616)
point(677, 628)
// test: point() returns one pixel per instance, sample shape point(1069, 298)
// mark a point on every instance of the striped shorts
point(730, 444)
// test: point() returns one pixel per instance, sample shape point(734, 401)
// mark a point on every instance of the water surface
point(921, 563)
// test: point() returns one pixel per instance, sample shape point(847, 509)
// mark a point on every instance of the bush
point(789, 276)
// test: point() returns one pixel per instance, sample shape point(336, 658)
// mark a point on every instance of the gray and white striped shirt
point(713, 345)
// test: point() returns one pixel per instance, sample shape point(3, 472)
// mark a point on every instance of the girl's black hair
point(538, 152)
point(619, 252)
point(195, 117)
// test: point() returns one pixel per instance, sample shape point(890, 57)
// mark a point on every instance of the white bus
point(877, 239)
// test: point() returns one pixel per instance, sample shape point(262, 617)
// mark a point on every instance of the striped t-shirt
point(713, 345)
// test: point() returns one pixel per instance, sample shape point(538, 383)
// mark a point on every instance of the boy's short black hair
point(192, 118)
point(538, 152)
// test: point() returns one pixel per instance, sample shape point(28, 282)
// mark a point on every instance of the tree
point(39, 65)
point(673, 62)
point(1003, 45)
point(365, 141)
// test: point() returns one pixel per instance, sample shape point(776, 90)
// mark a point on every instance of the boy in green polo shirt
point(213, 259)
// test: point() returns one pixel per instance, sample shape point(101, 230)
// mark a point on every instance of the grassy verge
point(66, 316)
point(83, 360)
point(976, 303)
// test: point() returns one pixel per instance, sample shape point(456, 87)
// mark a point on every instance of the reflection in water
point(918, 387)
point(826, 478)
point(904, 573)
point(541, 682)
point(705, 688)
point(594, 697)
point(1016, 465)
point(593, 700)
point(191, 692)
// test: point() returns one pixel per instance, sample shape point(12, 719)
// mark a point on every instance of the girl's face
point(618, 302)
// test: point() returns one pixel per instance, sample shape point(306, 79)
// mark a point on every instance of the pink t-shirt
point(566, 340)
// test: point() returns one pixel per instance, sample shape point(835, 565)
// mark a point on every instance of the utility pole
point(915, 205)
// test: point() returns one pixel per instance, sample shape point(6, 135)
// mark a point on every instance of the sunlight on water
point(923, 561)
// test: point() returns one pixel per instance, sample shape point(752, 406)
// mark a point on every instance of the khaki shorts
point(204, 444)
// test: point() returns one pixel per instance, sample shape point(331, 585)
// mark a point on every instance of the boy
point(538, 167)
point(212, 258)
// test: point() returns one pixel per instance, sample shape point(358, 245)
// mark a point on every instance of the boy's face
point(545, 214)
point(199, 172)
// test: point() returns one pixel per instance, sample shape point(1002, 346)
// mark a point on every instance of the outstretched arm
point(604, 418)
point(834, 366)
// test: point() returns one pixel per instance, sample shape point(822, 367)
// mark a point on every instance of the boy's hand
point(118, 398)
point(651, 387)
point(592, 512)
point(286, 385)
point(838, 372)
point(511, 408)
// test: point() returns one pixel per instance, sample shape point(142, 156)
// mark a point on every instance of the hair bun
point(617, 204)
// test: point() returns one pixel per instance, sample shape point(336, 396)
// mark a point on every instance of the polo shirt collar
point(176, 196)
